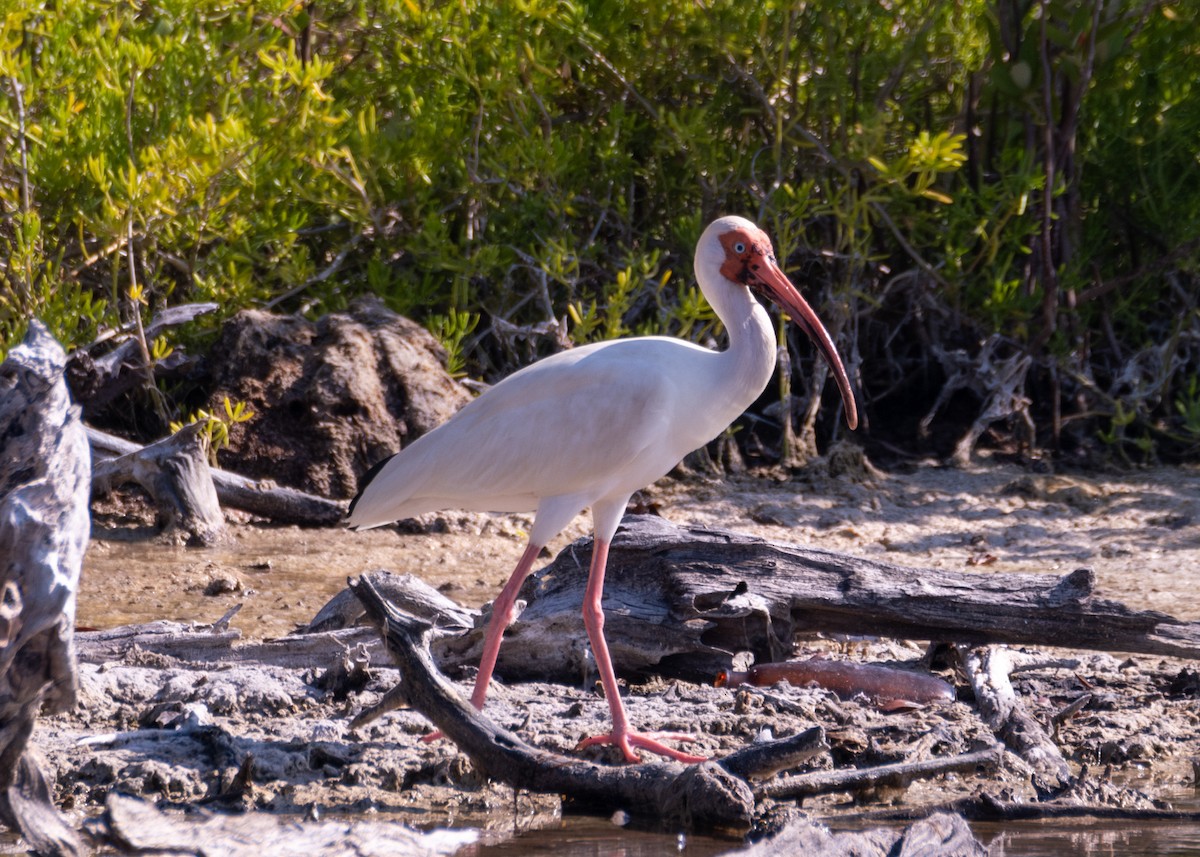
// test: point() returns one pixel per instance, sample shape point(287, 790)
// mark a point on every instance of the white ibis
point(587, 427)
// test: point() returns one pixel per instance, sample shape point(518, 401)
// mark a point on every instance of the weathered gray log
point(175, 473)
point(988, 669)
point(681, 602)
point(696, 797)
point(44, 526)
point(138, 827)
point(208, 644)
point(162, 637)
point(331, 633)
point(279, 504)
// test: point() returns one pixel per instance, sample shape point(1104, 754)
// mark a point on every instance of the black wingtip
point(364, 482)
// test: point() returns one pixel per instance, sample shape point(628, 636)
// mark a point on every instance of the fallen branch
point(765, 759)
point(210, 644)
point(332, 632)
point(97, 381)
point(891, 776)
point(704, 796)
point(986, 807)
point(279, 504)
point(682, 602)
point(162, 637)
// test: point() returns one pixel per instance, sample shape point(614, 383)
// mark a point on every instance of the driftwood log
point(712, 795)
point(697, 797)
point(44, 526)
point(682, 602)
point(175, 473)
point(279, 504)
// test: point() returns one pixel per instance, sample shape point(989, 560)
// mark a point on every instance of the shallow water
point(283, 574)
point(581, 836)
point(1096, 839)
point(589, 837)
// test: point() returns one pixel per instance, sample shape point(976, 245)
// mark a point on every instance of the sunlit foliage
point(1022, 167)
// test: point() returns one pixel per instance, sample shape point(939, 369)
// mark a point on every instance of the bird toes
point(626, 742)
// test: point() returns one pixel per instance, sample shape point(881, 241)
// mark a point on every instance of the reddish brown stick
point(846, 680)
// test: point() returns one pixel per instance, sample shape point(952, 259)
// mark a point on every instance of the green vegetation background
point(937, 175)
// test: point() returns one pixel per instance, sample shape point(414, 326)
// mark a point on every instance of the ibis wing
point(569, 425)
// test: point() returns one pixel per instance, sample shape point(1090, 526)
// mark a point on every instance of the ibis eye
point(739, 247)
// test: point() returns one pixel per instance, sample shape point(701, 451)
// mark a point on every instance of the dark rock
point(1185, 683)
point(330, 397)
point(940, 835)
point(223, 583)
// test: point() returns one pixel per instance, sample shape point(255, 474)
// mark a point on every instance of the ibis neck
point(750, 358)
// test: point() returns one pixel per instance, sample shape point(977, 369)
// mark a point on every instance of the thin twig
point(620, 78)
point(857, 779)
point(907, 247)
point(322, 275)
point(110, 248)
point(26, 194)
point(156, 396)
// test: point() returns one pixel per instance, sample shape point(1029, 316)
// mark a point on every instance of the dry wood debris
point(273, 502)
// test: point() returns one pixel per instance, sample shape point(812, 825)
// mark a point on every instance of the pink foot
point(644, 741)
point(435, 735)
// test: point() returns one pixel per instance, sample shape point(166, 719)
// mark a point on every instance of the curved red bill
point(779, 288)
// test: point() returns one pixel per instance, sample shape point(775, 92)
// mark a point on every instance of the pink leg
point(502, 609)
point(593, 619)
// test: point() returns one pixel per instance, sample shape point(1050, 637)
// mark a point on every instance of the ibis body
point(588, 427)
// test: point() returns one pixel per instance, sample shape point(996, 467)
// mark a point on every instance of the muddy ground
point(1139, 531)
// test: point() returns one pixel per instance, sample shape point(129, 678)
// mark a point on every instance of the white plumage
point(587, 427)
